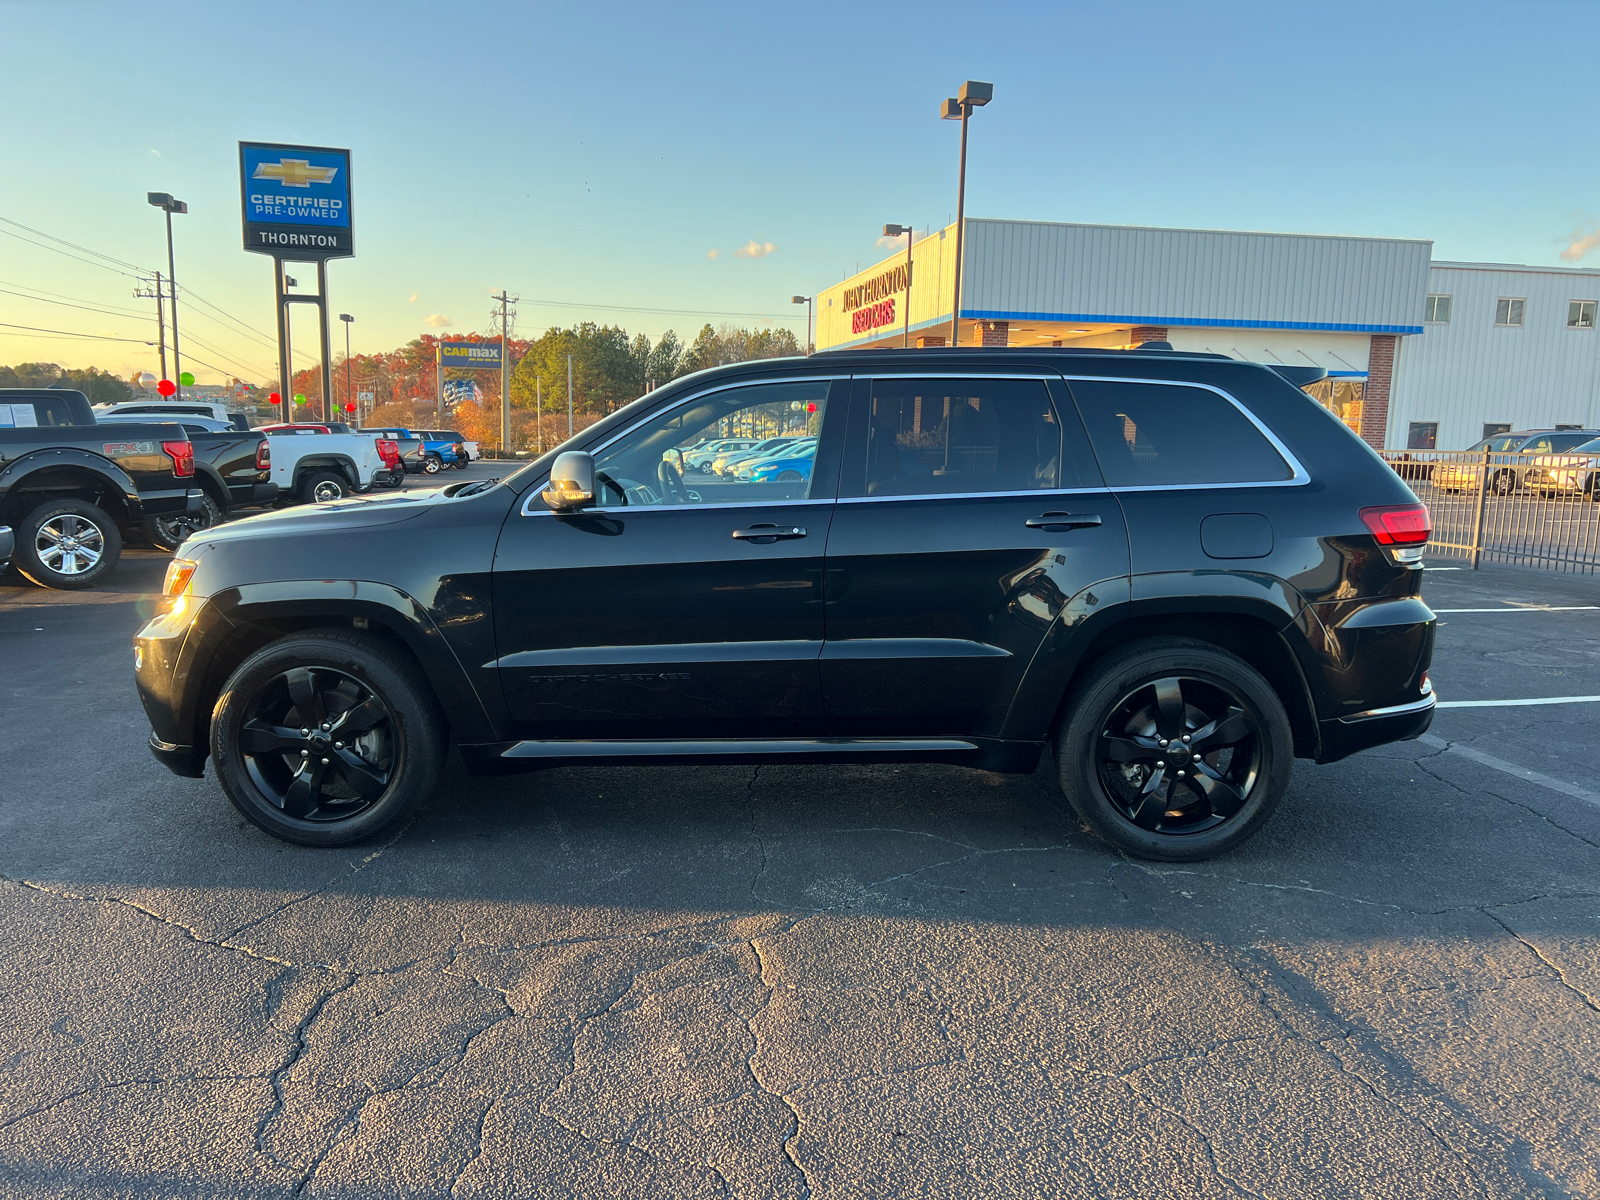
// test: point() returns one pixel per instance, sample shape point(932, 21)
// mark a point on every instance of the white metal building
point(1504, 347)
point(1362, 308)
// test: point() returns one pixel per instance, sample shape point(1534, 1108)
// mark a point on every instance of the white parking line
point(1545, 781)
point(1526, 608)
point(1517, 703)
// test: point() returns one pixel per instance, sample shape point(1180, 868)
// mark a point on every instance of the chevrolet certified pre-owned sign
point(296, 201)
point(470, 354)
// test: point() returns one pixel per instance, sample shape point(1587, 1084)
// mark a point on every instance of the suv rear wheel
point(1174, 749)
point(325, 739)
point(67, 544)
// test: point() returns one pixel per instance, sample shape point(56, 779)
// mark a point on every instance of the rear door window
point(1174, 435)
point(933, 437)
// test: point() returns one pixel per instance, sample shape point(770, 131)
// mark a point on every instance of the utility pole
point(347, 319)
point(506, 313)
point(569, 397)
point(168, 205)
point(161, 323)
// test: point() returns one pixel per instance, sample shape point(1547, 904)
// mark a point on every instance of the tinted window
point(1562, 442)
point(54, 407)
point(650, 465)
point(1591, 447)
point(930, 437)
point(1171, 434)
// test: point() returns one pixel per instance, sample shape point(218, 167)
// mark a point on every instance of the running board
point(736, 747)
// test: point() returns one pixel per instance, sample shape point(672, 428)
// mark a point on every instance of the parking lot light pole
point(972, 95)
point(167, 204)
point(348, 319)
point(894, 231)
point(806, 300)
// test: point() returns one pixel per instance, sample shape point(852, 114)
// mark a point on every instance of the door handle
point(765, 535)
point(1060, 522)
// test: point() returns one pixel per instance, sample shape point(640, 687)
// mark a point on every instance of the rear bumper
point(169, 502)
point(1347, 735)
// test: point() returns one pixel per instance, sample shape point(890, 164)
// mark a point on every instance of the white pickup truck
point(313, 466)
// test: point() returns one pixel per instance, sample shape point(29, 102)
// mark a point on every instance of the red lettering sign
point(874, 316)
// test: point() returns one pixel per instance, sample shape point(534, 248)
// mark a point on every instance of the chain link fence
point(1534, 510)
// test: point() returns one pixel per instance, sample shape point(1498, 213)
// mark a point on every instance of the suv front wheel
point(1174, 749)
point(326, 738)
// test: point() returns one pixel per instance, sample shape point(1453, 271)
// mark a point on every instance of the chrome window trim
point(1040, 493)
point(1299, 478)
point(655, 508)
point(724, 387)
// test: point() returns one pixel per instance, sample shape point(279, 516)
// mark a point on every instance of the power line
point(260, 333)
point(74, 257)
point(69, 334)
point(75, 246)
point(132, 316)
point(671, 312)
point(132, 312)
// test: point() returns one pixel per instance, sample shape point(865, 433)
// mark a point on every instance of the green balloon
point(299, 399)
point(186, 379)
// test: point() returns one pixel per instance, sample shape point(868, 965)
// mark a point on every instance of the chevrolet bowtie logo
point(295, 172)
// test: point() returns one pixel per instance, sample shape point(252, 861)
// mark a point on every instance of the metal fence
point(1536, 510)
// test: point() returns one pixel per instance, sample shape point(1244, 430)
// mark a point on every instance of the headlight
point(179, 572)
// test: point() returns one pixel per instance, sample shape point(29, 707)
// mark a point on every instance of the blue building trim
point(1347, 374)
point(969, 314)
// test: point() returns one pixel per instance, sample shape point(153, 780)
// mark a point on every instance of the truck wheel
point(432, 465)
point(167, 533)
point(460, 464)
point(67, 544)
point(1174, 749)
point(326, 738)
point(323, 487)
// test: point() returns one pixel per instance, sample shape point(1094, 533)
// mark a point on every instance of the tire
point(432, 465)
point(67, 545)
point(324, 487)
point(1109, 745)
point(359, 787)
point(168, 533)
point(789, 477)
point(460, 464)
point(1503, 483)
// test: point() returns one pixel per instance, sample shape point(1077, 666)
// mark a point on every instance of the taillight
point(389, 451)
point(264, 456)
point(182, 456)
point(1398, 524)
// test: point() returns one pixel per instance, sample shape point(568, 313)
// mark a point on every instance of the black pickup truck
point(69, 487)
point(232, 467)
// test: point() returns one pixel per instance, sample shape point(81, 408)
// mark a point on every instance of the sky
point(660, 166)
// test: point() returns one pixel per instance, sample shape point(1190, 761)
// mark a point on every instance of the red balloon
point(166, 387)
point(349, 408)
point(274, 398)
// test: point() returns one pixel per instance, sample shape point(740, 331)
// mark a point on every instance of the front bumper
point(186, 761)
point(170, 659)
point(1344, 736)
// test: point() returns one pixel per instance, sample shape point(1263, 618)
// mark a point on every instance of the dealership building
point(1418, 353)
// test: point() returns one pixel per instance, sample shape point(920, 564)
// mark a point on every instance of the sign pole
point(327, 352)
point(285, 370)
point(569, 397)
point(438, 388)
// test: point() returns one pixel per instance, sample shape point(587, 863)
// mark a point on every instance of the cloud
point(439, 321)
point(898, 243)
point(414, 296)
point(711, 253)
point(1580, 241)
point(154, 151)
point(755, 249)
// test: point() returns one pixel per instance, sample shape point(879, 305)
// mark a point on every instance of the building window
point(1422, 435)
point(1491, 428)
point(1508, 310)
point(1437, 310)
point(1580, 314)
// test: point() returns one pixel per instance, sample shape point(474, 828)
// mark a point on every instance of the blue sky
point(597, 153)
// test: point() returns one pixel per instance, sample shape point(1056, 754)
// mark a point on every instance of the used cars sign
point(296, 201)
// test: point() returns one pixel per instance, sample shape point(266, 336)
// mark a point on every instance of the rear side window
point(1173, 435)
point(931, 437)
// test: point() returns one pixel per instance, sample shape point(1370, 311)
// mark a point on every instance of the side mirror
point(571, 481)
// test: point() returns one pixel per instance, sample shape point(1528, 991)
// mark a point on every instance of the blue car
point(785, 470)
point(441, 448)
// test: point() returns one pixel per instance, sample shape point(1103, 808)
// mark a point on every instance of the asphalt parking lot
point(791, 981)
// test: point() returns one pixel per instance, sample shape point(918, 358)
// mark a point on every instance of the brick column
point(930, 339)
point(1375, 395)
point(994, 333)
point(1148, 333)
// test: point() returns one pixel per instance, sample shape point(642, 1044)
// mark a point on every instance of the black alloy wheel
point(324, 739)
point(1174, 749)
point(168, 533)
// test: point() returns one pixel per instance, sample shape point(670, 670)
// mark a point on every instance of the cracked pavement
point(802, 981)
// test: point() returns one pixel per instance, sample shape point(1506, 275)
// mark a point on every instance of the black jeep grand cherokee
point(1177, 571)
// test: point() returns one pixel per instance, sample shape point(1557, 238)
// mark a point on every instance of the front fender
point(16, 473)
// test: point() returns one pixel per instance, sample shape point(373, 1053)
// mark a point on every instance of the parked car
point(311, 464)
point(796, 447)
point(172, 410)
point(1176, 571)
point(71, 488)
point(410, 446)
point(1510, 458)
point(724, 463)
point(700, 457)
point(442, 448)
point(794, 468)
point(1575, 473)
